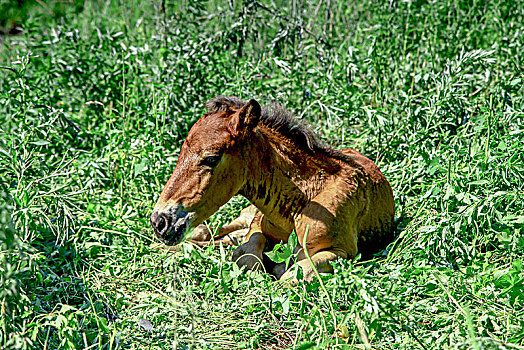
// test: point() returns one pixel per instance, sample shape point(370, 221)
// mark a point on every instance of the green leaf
point(283, 252)
point(305, 346)
point(41, 143)
point(479, 182)
point(141, 167)
point(514, 219)
point(280, 253)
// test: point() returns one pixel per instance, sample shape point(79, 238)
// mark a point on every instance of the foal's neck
point(282, 177)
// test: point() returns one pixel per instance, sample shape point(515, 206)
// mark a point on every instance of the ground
point(97, 97)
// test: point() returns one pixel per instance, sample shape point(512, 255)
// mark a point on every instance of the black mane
point(279, 119)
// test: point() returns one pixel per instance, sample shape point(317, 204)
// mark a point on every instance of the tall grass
point(96, 99)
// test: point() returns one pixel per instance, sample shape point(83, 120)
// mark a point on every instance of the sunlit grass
point(95, 102)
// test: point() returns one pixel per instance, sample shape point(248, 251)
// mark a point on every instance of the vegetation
point(95, 102)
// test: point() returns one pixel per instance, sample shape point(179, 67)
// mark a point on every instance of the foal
point(340, 198)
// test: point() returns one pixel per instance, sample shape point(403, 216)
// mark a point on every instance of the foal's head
point(209, 171)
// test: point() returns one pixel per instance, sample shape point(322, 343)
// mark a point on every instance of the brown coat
point(340, 198)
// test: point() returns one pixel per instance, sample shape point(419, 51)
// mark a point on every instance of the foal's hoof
point(251, 262)
point(278, 270)
point(289, 277)
point(307, 274)
point(238, 252)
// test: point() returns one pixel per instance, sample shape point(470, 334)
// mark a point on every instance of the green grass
point(96, 100)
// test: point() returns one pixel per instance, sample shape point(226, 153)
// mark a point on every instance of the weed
point(97, 97)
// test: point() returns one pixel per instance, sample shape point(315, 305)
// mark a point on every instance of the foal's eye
point(210, 161)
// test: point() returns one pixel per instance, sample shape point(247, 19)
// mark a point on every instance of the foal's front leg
point(231, 234)
point(251, 252)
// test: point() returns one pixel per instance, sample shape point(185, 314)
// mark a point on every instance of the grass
point(97, 98)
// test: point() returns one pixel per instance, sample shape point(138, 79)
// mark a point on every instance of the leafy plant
point(284, 252)
point(96, 99)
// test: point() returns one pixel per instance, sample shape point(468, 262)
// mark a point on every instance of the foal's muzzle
point(171, 226)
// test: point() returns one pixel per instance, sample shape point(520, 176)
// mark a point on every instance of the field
point(96, 98)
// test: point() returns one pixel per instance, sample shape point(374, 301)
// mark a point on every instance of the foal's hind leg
point(330, 224)
point(321, 261)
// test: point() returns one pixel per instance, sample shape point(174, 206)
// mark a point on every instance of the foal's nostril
point(160, 223)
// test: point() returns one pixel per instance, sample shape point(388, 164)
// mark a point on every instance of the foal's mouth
point(171, 226)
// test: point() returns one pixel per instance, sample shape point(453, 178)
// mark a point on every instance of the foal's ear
point(247, 117)
point(250, 113)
